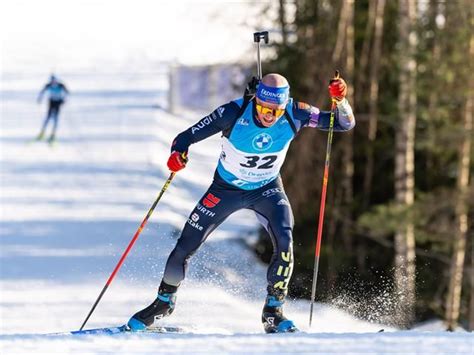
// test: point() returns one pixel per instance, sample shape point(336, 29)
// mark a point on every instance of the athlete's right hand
point(177, 161)
point(337, 89)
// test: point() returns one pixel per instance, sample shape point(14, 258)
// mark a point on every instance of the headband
point(278, 95)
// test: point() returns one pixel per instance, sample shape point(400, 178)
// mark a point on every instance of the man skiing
point(256, 134)
point(57, 92)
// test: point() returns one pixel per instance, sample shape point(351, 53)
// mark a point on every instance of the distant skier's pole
point(323, 204)
point(130, 245)
point(257, 36)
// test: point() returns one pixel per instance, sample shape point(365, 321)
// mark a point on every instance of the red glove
point(337, 89)
point(177, 161)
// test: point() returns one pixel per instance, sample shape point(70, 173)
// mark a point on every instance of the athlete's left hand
point(337, 89)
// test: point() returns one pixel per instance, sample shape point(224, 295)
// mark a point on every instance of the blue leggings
point(53, 113)
point(273, 210)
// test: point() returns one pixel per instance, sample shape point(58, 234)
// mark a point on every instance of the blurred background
point(399, 215)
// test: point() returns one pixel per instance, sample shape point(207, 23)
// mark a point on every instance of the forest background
point(398, 234)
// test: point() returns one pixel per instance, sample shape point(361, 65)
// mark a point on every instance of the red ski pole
point(130, 245)
point(323, 204)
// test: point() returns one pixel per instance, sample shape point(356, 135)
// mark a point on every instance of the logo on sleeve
point(262, 142)
point(220, 111)
point(206, 121)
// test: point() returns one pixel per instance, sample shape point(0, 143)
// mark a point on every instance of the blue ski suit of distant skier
point(248, 177)
point(57, 93)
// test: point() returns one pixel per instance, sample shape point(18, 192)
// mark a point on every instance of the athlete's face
point(268, 113)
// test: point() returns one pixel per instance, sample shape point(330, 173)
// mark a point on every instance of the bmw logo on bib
point(262, 142)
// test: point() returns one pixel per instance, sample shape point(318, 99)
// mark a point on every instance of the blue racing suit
point(248, 177)
point(57, 93)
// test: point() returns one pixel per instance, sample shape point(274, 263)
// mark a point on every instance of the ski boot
point(39, 136)
point(272, 316)
point(52, 139)
point(163, 306)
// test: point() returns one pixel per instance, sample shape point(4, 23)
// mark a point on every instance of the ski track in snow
point(69, 211)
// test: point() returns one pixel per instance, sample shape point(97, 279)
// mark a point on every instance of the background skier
point(57, 93)
point(256, 135)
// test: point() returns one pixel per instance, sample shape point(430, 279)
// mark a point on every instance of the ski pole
point(257, 36)
point(130, 245)
point(323, 203)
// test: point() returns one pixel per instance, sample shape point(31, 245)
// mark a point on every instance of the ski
point(99, 331)
point(122, 329)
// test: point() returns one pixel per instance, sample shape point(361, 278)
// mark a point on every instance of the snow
point(69, 211)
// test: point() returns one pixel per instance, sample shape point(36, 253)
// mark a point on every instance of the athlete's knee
point(284, 239)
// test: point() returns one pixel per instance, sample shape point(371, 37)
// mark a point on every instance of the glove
point(177, 161)
point(337, 89)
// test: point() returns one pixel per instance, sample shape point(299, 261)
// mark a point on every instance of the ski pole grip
point(257, 36)
point(336, 76)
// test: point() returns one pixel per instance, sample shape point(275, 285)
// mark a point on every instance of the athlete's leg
point(55, 116)
point(46, 120)
point(274, 213)
point(213, 208)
